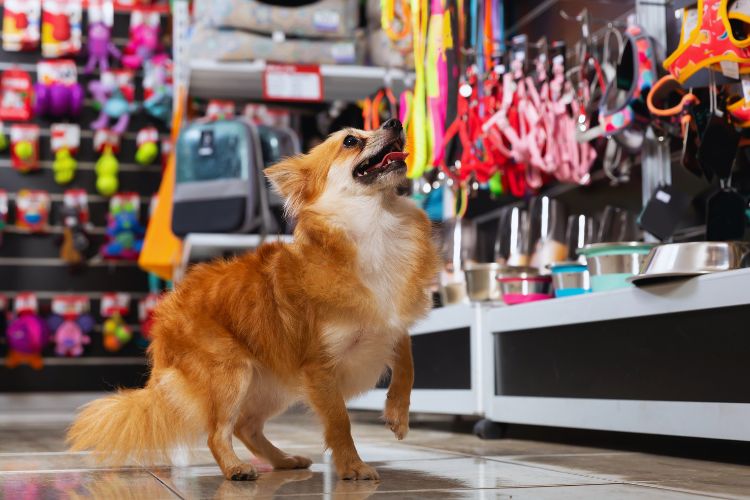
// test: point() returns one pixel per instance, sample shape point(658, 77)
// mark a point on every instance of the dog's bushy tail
point(135, 425)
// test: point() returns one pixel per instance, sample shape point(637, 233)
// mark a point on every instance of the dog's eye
point(350, 141)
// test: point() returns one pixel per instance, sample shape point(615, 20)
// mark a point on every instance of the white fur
point(375, 220)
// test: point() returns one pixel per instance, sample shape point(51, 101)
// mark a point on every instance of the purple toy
point(143, 45)
point(57, 93)
point(58, 100)
point(70, 335)
point(100, 47)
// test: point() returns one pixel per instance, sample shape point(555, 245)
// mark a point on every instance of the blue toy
point(124, 232)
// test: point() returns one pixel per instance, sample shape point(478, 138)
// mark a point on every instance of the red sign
point(292, 82)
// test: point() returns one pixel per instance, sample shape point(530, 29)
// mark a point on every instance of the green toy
point(24, 150)
point(106, 168)
point(64, 166)
point(147, 153)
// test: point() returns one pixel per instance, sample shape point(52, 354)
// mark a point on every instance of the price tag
point(293, 82)
point(730, 69)
point(746, 87)
point(65, 136)
point(115, 303)
point(25, 302)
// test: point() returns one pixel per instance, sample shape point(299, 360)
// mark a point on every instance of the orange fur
point(317, 320)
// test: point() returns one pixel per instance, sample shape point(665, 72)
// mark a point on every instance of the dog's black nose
point(392, 124)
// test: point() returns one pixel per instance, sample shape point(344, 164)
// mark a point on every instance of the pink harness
point(545, 140)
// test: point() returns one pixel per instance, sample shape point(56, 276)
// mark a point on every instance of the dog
point(317, 320)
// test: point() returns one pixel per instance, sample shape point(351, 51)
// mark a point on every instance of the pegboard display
point(30, 262)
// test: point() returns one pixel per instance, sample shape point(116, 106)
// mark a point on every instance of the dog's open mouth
point(390, 158)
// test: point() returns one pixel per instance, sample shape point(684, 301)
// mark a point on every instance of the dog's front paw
point(293, 462)
point(241, 472)
point(358, 470)
point(396, 416)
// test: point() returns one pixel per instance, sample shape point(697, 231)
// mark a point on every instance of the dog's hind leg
point(250, 431)
point(226, 394)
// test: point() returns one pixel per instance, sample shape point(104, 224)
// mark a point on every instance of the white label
point(690, 23)
point(291, 85)
point(326, 20)
point(663, 196)
point(741, 7)
point(65, 135)
point(730, 69)
point(343, 52)
point(746, 87)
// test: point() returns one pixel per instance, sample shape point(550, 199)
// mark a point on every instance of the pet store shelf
point(661, 359)
point(711, 291)
point(244, 80)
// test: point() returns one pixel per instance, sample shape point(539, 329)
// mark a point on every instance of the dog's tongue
point(393, 156)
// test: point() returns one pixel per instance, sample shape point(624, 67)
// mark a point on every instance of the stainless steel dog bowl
point(570, 278)
point(611, 264)
point(683, 260)
point(481, 282)
point(453, 293)
point(524, 284)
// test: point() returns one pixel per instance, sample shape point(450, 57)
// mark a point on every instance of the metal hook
point(583, 19)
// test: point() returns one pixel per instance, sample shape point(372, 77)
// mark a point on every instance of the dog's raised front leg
point(396, 412)
point(325, 398)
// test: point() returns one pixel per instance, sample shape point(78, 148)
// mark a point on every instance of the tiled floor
point(430, 463)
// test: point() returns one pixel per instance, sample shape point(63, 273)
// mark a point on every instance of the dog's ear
point(290, 178)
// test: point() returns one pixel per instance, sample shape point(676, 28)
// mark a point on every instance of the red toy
point(15, 95)
point(21, 24)
point(146, 308)
point(24, 147)
point(61, 27)
point(32, 210)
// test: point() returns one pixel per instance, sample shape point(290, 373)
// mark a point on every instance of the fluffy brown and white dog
point(317, 320)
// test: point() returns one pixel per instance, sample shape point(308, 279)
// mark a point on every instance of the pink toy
point(71, 322)
point(144, 39)
point(70, 335)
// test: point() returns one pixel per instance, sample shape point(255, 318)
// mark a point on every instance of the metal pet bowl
point(611, 264)
point(524, 284)
point(481, 282)
point(684, 260)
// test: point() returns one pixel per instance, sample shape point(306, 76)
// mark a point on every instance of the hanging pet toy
point(27, 334)
point(124, 232)
point(100, 47)
point(115, 332)
point(107, 144)
point(144, 41)
point(114, 94)
point(71, 324)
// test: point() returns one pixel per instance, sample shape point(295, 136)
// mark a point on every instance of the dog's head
point(350, 162)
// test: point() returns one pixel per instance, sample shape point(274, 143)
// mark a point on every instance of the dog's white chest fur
point(384, 246)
